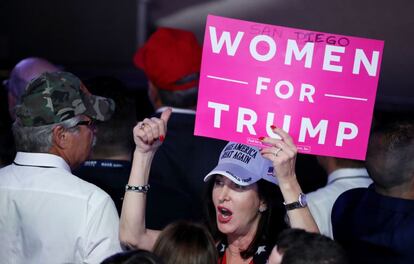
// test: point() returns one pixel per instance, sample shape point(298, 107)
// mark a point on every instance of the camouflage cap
point(55, 97)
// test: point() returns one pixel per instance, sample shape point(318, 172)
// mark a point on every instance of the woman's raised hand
point(150, 133)
point(282, 152)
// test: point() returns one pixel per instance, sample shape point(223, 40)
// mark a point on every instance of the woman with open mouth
point(242, 195)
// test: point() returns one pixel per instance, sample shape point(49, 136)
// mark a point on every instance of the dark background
point(90, 37)
point(99, 37)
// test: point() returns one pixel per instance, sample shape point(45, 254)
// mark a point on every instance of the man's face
point(81, 142)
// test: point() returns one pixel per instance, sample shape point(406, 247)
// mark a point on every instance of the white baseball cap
point(243, 165)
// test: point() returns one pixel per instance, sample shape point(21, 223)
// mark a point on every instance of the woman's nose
point(224, 194)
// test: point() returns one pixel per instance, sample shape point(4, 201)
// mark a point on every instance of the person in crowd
point(171, 60)
point(296, 246)
point(7, 145)
point(258, 209)
point(109, 164)
point(138, 256)
point(185, 242)
point(343, 174)
point(22, 73)
point(376, 224)
point(7, 151)
point(47, 214)
point(242, 209)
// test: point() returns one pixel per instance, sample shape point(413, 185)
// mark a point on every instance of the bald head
point(24, 71)
point(390, 153)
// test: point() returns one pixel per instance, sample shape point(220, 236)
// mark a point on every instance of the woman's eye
point(218, 182)
point(240, 187)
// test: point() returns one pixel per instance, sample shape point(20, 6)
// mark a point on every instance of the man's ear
point(60, 137)
point(153, 95)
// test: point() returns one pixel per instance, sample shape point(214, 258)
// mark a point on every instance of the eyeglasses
point(89, 123)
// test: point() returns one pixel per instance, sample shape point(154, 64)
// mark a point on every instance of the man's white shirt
point(321, 201)
point(48, 215)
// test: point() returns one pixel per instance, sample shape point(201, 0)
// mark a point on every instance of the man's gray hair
point(39, 139)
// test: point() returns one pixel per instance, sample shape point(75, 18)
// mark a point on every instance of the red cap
point(170, 55)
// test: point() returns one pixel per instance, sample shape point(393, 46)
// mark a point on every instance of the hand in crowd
point(282, 153)
point(150, 133)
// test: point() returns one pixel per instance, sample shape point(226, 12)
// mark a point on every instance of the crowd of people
point(92, 183)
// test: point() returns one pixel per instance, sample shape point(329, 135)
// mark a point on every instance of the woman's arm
point(148, 136)
point(282, 152)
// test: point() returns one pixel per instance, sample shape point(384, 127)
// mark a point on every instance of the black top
point(177, 173)
point(109, 175)
point(374, 228)
point(260, 257)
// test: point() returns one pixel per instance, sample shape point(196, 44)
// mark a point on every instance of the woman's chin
point(225, 228)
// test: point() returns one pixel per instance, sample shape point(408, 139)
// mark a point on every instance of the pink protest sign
point(319, 87)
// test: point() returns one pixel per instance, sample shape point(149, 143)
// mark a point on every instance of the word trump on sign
point(319, 87)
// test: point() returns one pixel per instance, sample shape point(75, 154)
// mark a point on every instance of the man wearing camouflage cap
point(48, 215)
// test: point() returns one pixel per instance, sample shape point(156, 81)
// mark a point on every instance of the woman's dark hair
point(271, 222)
point(138, 256)
point(186, 243)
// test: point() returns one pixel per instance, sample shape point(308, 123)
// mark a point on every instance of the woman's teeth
point(225, 212)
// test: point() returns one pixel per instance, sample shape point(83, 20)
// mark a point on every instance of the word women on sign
point(331, 58)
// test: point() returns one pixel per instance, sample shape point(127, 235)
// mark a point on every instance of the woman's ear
point(263, 206)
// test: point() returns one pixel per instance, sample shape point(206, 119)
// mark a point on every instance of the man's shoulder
point(323, 192)
point(84, 188)
point(336, 188)
point(55, 181)
point(82, 193)
point(347, 204)
point(47, 184)
point(351, 196)
point(68, 184)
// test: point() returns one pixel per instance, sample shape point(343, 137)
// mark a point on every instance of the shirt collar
point(41, 159)
point(342, 173)
point(176, 110)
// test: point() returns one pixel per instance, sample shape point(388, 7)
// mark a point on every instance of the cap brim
point(234, 173)
point(271, 179)
point(224, 169)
